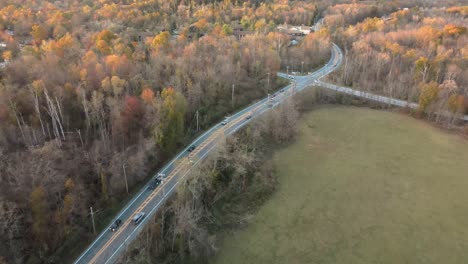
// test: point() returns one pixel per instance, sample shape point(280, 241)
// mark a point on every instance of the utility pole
point(92, 218)
point(268, 83)
point(268, 79)
point(232, 99)
point(125, 177)
point(81, 139)
point(302, 68)
point(198, 128)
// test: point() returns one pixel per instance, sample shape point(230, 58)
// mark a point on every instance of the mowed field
point(362, 186)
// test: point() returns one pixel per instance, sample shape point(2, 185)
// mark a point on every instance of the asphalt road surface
point(108, 246)
point(379, 98)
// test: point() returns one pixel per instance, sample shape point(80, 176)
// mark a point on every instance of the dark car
point(248, 117)
point(192, 148)
point(116, 225)
point(154, 183)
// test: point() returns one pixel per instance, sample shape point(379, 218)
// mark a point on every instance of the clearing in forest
point(362, 186)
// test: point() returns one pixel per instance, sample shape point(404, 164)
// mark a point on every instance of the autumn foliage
point(411, 55)
point(90, 87)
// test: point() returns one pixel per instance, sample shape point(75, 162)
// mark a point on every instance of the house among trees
point(239, 32)
point(294, 31)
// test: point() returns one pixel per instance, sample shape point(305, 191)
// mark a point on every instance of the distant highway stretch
point(108, 246)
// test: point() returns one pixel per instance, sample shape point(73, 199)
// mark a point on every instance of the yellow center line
point(93, 260)
point(174, 172)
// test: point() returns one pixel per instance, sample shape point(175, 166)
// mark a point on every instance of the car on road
point(191, 148)
point(270, 101)
point(155, 183)
point(281, 91)
point(249, 117)
point(291, 77)
point(225, 121)
point(116, 225)
point(162, 175)
point(138, 217)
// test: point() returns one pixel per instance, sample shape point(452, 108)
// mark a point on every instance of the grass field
point(362, 186)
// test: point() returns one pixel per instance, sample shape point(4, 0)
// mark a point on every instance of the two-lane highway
point(108, 246)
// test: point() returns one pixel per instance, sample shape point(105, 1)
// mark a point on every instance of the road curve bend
point(108, 246)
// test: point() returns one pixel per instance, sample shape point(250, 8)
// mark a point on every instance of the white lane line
point(215, 126)
point(157, 205)
point(142, 191)
point(161, 171)
point(177, 182)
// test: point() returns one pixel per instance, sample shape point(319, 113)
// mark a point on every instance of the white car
point(138, 217)
point(225, 121)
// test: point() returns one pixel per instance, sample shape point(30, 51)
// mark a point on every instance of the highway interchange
point(108, 246)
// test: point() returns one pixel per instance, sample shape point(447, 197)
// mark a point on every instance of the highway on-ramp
point(108, 246)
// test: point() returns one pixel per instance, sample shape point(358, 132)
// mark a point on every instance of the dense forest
point(417, 54)
point(93, 90)
point(222, 194)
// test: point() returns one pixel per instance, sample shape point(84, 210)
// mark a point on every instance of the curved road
point(108, 246)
